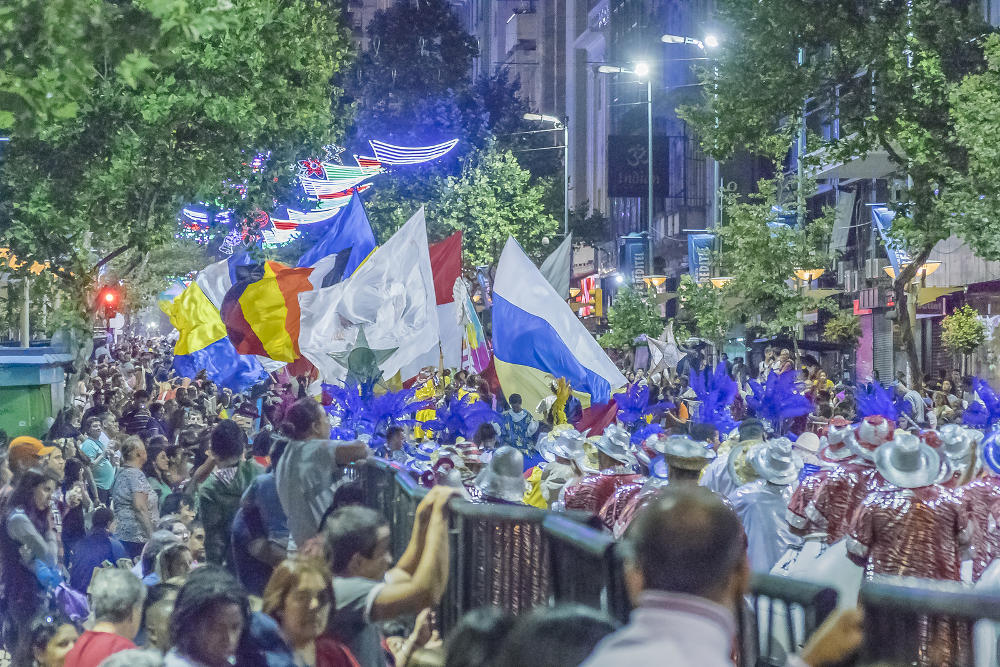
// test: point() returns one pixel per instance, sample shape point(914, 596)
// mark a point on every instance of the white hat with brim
point(907, 462)
point(616, 443)
point(684, 453)
point(565, 444)
point(776, 461)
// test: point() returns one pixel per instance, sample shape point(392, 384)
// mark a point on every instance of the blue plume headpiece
point(874, 400)
point(360, 412)
point(460, 417)
point(716, 392)
point(778, 400)
point(985, 414)
point(634, 406)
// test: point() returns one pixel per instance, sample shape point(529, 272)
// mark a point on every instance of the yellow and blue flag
point(203, 343)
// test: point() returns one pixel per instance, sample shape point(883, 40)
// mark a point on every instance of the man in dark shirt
point(136, 420)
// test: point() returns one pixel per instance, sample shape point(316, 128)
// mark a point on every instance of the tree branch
point(111, 256)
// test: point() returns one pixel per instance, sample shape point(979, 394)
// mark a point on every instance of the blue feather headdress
point(633, 409)
point(986, 414)
point(359, 412)
point(460, 417)
point(778, 399)
point(875, 400)
point(716, 392)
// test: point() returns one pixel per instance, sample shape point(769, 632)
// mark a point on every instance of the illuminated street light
point(641, 69)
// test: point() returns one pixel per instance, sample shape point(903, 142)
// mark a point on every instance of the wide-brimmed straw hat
point(908, 462)
point(776, 461)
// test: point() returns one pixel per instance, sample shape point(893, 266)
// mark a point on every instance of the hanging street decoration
point(390, 154)
point(328, 182)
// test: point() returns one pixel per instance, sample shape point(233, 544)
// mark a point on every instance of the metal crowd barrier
point(781, 615)
point(927, 622)
point(518, 557)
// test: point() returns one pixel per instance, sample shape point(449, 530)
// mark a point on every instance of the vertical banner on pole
point(700, 256)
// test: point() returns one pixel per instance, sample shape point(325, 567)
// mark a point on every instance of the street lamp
point(641, 70)
point(709, 42)
point(558, 123)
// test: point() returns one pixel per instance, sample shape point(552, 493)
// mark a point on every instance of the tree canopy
point(176, 102)
point(901, 77)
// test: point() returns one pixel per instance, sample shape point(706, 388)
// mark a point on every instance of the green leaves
point(173, 101)
point(635, 313)
point(962, 331)
point(844, 328)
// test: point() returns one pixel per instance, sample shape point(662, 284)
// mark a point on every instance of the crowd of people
point(166, 520)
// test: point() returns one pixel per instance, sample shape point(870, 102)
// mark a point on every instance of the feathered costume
point(875, 400)
point(358, 411)
point(635, 412)
point(778, 400)
point(716, 392)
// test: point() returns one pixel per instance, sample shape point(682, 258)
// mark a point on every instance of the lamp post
point(557, 124)
point(641, 71)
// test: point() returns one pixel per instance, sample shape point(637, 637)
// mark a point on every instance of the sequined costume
point(838, 496)
point(918, 533)
point(591, 492)
point(981, 499)
point(614, 506)
point(803, 495)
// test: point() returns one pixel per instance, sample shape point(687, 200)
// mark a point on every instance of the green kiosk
point(32, 384)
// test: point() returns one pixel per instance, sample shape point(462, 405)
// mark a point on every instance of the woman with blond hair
point(299, 597)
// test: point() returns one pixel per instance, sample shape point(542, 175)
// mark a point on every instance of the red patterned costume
point(591, 492)
point(981, 499)
point(613, 508)
point(916, 533)
point(802, 497)
point(838, 496)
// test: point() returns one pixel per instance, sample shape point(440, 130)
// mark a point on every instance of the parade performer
point(517, 427)
point(761, 504)
point(911, 526)
point(616, 461)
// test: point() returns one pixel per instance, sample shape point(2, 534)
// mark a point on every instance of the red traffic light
point(109, 300)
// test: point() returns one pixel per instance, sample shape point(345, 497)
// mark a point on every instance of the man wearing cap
point(564, 453)
point(761, 504)
point(502, 480)
point(615, 460)
point(24, 452)
point(680, 464)
point(849, 481)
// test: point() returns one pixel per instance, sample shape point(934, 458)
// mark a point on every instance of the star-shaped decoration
point(332, 153)
point(360, 359)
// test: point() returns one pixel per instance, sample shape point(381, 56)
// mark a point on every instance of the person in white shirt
point(686, 571)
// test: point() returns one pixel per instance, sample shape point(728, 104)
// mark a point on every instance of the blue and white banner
point(700, 256)
point(882, 217)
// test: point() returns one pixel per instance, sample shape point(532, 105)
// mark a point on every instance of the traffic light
point(109, 300)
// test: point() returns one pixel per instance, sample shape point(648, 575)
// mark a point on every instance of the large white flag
point(389, 302)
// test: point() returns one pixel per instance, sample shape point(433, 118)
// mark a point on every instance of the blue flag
point(350, 231)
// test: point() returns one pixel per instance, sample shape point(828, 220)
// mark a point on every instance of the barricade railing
point(518, 557)
point(928, 622)
point(783, 613)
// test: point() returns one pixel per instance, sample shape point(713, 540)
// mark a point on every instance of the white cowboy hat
point(907, 462)
point(683, 452)
point(776, 461)
point(616, 443)
point(566, 444)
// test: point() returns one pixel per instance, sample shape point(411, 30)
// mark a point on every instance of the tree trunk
point(902, 297)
